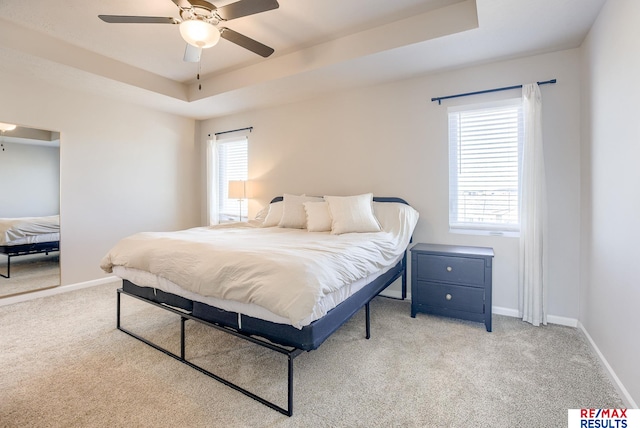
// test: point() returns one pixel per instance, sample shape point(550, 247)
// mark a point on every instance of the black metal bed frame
point(290, 352)
point(26, 249)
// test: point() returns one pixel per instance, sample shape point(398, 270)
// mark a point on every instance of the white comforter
point(20, 229)
point(283, 270)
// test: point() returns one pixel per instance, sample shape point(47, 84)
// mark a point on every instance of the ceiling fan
point(199, 21)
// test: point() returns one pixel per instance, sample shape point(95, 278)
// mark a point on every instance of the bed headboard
point(375, 199)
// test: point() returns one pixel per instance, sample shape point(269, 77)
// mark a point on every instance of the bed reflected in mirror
point(29, 209)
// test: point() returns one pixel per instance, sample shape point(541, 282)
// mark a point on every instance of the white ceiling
point(320, 46)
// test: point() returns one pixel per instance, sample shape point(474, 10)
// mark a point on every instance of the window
point(485, 142)
point(228, 161)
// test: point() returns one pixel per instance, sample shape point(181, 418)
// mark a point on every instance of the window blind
point(484, 163)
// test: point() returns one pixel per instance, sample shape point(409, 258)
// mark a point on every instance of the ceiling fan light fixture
point(199, 33)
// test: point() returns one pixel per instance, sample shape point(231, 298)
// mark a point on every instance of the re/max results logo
point(604, 418)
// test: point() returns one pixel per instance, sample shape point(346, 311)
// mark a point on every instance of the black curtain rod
point(250, 128)
point(506, 88)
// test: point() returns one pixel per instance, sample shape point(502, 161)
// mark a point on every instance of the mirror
point(29, 209)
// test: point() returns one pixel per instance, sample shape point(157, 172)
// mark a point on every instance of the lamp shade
point(237, 189)
point(7, 126)
point(199, 33)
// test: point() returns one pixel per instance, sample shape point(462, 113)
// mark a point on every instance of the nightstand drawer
point(458, 270)
point(450, 297)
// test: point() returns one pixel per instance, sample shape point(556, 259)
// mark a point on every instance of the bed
point(28, 235)
point(284, 285)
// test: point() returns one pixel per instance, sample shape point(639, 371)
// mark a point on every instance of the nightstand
point(452, 281)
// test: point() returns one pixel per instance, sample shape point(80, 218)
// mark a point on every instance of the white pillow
point(262, 214)
point(394, 216)
point(352, 214)
point(318, 216)
point(274, 215)
point(293, 214)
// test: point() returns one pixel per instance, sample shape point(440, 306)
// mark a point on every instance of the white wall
point(610, 289)
point(29, 180)
point(124, 168)
point(392, 140)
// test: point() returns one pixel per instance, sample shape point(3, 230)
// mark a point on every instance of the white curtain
point(212, 182)
point(533, 214)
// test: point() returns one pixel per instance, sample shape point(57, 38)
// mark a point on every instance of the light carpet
point(29, 272)
point(64, 364)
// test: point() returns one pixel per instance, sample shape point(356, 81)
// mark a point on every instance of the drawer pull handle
point(448, 297)
point(449, 268)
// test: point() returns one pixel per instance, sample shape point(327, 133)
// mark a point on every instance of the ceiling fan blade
point(245, 42)
point(192, 53)
point(188, 4)
point(244, 8)
point(119, 19)
point(183, 4)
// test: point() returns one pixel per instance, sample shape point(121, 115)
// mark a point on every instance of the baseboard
point(55, 290)
point(394, 294)
point(569, 322)
point(505, 311)
point(630, 403)
point(551, 319)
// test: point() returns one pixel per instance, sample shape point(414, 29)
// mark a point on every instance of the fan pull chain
point(198, 76)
